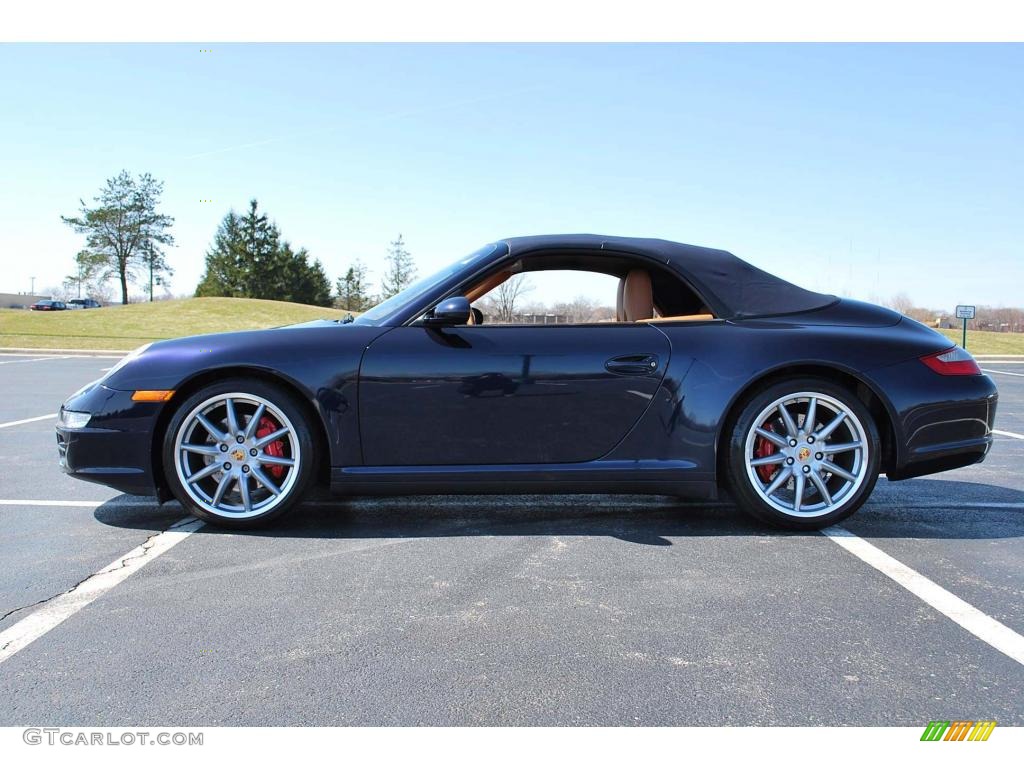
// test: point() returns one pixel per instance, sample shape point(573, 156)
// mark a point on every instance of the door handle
point(633, 365)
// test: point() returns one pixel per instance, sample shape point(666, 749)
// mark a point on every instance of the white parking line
point(33, 360)
point(1004, 433)
point(65, 354)
point(960, 504)
point(1004, 373)
point(28, 421)
point(48, 503)
point(67, 604)
point(982, 626)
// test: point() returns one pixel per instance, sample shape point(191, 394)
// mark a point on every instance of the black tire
point(287, 410)
point(739, 476)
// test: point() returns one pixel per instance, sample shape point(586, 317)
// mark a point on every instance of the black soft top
point(730, 286)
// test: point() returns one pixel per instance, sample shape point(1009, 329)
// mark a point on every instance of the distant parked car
point(83, 304)
point(48, 305)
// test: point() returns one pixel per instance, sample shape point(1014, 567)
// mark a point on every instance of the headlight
point(73, 419)
point(126, 359)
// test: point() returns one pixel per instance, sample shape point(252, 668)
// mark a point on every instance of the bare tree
point(503, 299)
point(58, 293)
point(901, 303)
point(583, 309)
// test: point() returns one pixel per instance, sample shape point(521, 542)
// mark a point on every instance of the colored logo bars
point(958, 730)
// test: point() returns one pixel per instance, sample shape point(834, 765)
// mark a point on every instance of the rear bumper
point(940, 422)
point(942, 457)
point(115, 448)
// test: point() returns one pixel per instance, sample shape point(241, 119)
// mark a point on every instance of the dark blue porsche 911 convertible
point(712, 376)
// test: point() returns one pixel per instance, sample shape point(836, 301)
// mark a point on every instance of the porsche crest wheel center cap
point(804, 453)
point(238, 455)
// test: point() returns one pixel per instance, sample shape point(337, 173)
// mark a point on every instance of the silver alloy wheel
point(820, 455)
point(225, 466)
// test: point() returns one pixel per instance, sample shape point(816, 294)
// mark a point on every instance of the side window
point(550, 297)
point(573, 288)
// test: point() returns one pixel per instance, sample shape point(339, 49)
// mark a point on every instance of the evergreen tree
point(399, 271)
point(249, 259)
point(226, 263)
point(266, 259)
point(244, 257)
point(299, 280)
point(320, 283)
point(353, 289)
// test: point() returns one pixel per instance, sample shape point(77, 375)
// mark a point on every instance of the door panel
point(505, 394)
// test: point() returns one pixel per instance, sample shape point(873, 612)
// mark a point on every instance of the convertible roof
point(731, 286)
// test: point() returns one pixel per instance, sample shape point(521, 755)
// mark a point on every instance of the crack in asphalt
point(45, 600)
point(147, 545)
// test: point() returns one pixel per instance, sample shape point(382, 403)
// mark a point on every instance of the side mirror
point(453, 311)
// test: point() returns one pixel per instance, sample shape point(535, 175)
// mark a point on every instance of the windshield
point(421, 287)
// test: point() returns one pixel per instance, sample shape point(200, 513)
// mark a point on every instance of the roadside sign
point(965, 312)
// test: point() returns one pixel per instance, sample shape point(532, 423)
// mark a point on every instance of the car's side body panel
point(601, 476)
point(506, 394)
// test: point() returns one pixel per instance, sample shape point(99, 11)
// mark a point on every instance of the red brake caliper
point(276, 448)
point(762, 449)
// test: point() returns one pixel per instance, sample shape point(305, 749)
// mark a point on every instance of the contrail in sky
point(370, 121)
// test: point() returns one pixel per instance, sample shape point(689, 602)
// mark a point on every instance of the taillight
point(953, 362)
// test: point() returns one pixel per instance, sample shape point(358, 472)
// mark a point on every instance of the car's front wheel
point(803, 454)
point(238, 453)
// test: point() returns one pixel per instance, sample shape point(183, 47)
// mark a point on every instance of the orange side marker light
point(152, 395)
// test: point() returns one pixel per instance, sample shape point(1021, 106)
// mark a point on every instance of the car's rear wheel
point(803, 454)
point(239, 453)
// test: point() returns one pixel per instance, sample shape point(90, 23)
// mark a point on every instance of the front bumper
point(940, 422)
point(115, 448)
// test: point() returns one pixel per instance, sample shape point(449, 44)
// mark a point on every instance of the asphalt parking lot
point(539, 610)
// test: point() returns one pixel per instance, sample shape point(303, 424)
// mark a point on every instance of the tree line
point(1005, 319)
point(126, 237)
point(508, 303)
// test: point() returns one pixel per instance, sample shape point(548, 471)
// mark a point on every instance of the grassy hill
point(126, 327)
point(989, 342)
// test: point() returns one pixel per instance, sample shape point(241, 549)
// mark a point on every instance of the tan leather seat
point(636, 298)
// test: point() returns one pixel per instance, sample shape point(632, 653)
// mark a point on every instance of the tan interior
point(634, 300)
point(487, 285)
point(637, 296)
point(679, 318)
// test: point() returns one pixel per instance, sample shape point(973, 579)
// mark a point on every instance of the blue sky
point(863, 170)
